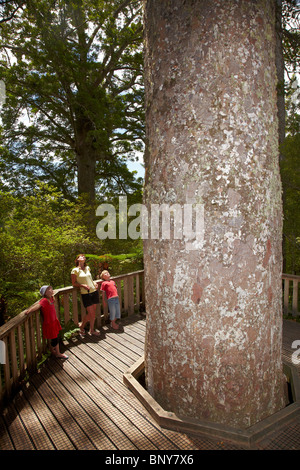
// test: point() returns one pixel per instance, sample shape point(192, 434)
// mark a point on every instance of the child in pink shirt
point(109, 287)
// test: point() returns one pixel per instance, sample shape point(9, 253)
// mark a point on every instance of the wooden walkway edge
point(82, 403)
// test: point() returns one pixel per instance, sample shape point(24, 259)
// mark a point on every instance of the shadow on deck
point(83, 404)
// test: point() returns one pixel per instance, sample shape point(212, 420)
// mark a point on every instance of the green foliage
point(40, 236)
point(290, 174)
point(291, 34)
point(74, 85)
point(68, 330)
point(116, 264)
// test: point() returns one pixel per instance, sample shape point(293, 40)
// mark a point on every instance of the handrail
point(21, 337)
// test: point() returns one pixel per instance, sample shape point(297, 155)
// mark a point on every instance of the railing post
point(32, 343)
point(130, 296)
point(13, 356)
point(295, 297)
point(39, 342)
point(143, 289)
point(137, 291)
point(119, 289)
point(286, 295)
point(75, 306)
point(21, 352)
point(7, 381)
point(291, 301)
point(27, 345)
point(125, 287)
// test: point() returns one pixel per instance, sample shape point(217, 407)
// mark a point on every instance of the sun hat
point(43, 290)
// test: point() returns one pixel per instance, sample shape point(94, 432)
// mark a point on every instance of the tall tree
point(213, 344)
point(291, 35)
point(73, 76)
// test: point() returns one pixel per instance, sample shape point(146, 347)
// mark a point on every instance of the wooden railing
point(291, 294)
point(21, 338)
point(22, 344)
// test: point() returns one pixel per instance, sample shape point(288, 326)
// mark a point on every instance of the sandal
point(81, 330)
point(94, 333)
point(64, 356)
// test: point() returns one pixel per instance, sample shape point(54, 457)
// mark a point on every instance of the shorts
point(54, 342)
point(114, 308)
point(90, 299)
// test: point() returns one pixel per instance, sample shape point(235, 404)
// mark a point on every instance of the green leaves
point(74, 76)
point(290, 174)
point(40, 235)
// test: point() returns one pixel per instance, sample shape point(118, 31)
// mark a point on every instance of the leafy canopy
point(74, 90)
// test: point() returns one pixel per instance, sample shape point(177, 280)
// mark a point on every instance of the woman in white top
point(82, 278)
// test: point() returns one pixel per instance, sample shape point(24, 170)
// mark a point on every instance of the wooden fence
point(22, 344)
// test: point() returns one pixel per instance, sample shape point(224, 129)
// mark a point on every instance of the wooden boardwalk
point(82, 403)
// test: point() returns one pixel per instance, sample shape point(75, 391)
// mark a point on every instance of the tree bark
point(86, 158)
point(214, 317)
point(86, 171)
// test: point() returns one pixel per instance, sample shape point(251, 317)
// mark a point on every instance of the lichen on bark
point(213, 344)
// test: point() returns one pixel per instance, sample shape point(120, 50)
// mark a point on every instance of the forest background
point(72, 117)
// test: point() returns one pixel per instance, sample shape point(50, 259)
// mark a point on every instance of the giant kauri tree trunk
point(214, 327)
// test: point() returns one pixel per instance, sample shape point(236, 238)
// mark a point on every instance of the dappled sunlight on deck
point(82, 403)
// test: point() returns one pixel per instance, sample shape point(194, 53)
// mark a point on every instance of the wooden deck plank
point(121, 408)
point(131, 344)
point(5, 440)
point(16, 429)
point(58, 437)
point(80, 408)
point(136, 337)
point(83, 404)
point(119, 351)
point(139, 327)
point(34, 428)
point(118, 345)
point(60, 407)
point(114, 421)
point(101, 353)
point(109, 375)
point(96, 419)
